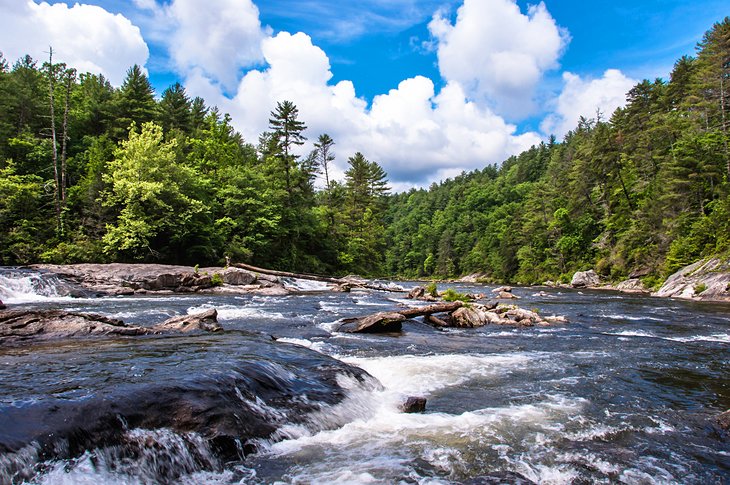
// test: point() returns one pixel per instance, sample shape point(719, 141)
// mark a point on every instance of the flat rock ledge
point(128, 279)
point(25, 326)
point(708, 280)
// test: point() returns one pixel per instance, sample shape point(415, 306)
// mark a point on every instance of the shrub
point(452, 295)
point(432, 289)
point(699, 288)
point(216, 279)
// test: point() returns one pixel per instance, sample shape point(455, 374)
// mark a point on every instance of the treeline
point(89, 172)
point(642, 193)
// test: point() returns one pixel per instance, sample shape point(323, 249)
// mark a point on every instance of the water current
point(626, 392)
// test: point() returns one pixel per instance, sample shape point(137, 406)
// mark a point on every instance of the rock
point(18, 326)
point(470, 317)
point(206, 321)
point(585, 279)
point(502, 289)
point(413, 404)
point(723, 420)
point(712, 276)
point(343, 288)
point(236, 276)
point(474, 278)
point(377, 323)
point(2, 305)
point(633, 285)
point(505, 295)
point(556, 319)
point(23, 325)
point(416, 293)
point(230, 404)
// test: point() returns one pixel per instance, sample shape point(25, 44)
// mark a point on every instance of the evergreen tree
point(287, 130)
point(135, 102)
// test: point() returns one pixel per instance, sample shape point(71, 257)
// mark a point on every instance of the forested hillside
point(645, 191)
point(89, 172)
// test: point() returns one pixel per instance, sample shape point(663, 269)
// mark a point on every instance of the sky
point(426, 88)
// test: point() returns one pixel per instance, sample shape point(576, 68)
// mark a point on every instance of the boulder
point(474, 278)
point(502, 289)
point(585, 279)
point(377, 323)
point(470, 317)
point(416, 293)
point(505, 295)
point(633, 285)
point(237, 276)
point(206, 321)
point(413, 404)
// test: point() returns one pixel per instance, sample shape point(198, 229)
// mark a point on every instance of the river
point(625, 392)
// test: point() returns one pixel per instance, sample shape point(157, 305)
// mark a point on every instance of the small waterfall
point(27, 286)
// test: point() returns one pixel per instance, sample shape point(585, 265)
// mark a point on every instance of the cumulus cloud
point(83, 36)
point(584, 97)
point(498, 53)
point(416, 134)
point(217, 41)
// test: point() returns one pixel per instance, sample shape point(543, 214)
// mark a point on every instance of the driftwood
point(341, 282)
point(392, 321)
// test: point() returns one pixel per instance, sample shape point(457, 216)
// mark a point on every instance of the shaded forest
point(90, 172)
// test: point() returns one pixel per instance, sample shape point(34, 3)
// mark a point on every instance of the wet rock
point(416, 293)
point(2, 305)
point(343, 288)
point(21, 325)
point(585, 279)
point(723, 420)
point(502, 289)
point(469, 317)
point(377, 323)
point(206, 321)
point(505, 295)
point(229, 406)
point(413, 404)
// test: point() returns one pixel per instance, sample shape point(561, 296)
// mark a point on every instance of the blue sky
point(427, 88)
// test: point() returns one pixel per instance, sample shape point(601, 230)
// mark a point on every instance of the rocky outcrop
point(23, 326)
point(474, 278)
point(382, 322)
point(632, 285)
point(127, 279)
point(708, 279)
point(479, 315)
point(585, 279)
point(228, 405)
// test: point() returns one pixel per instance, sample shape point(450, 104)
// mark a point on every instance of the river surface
point(625, 392)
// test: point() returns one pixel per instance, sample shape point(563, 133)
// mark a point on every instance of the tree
point(287, 131)
point(158, 208)
point(135, 102)
point(175, 109)
point(324, 156)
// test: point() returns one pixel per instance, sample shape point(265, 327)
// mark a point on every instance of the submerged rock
point(206, 321)
point(413, 404)
point(723, 420)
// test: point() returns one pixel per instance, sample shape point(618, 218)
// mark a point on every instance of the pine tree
point(287, 130)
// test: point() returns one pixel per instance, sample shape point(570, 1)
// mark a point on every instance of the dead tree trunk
point(392, 321)
point(313, 277)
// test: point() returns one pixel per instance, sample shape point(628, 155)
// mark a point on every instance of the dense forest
point(90, 172)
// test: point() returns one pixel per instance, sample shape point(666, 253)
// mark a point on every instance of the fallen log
point(392, 321)
point(341, 282)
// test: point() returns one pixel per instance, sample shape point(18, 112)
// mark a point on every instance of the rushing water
point(624, 393)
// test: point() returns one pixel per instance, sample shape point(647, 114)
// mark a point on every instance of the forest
point(94, 173)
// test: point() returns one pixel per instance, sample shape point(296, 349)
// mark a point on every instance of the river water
point(625, 392)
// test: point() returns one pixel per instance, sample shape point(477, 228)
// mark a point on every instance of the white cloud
point(498, 53)
point(584, 97)
point(83, 36)
point(416, 134)
point(217, 40)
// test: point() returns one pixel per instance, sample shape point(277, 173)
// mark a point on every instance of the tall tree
point(288, 132)
point(175, 109)
point(135, 102)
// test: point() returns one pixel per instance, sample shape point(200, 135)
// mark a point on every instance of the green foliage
point(216, 279)
point(432, 290)
point(452, 295)
point(699, 288)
